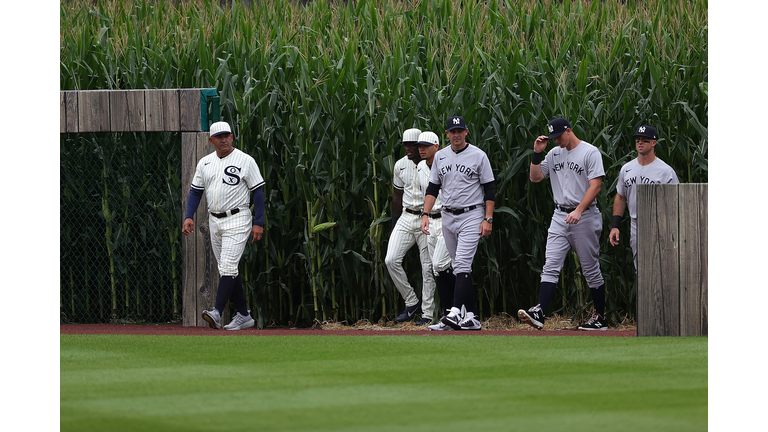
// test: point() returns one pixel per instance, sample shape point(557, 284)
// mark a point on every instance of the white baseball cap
point(428, 138)
point(411, 135)
point(219, 128)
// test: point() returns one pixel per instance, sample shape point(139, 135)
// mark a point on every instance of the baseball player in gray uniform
point(407, 204)
point(575, 170)
point(462, 175)
point(645, 169)
point(429, 144)
point(228, 177)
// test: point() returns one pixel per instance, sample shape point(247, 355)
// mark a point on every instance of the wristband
point(616, 221)
point(537, 157)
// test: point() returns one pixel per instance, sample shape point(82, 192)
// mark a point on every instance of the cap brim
point(555, 135)
point(427, 143)
point(645, 136)
point(220, 133)
point(456, 127)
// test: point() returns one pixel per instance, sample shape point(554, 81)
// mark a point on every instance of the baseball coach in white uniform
point(229, 178)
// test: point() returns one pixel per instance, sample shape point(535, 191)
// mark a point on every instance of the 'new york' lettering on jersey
point(632, 174)
point(570, 172)
point(457, 173)
point(227, 181)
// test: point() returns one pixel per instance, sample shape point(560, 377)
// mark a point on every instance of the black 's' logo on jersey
point(232, 178)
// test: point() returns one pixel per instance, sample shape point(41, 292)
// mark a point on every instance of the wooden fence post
point(672, 260)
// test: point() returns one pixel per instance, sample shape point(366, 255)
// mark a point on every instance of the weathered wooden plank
point(126, 110)
point(171, 110)
point(189, 244)
point(189, 110)
point(153, 114)
point(658, 303)
point(93, 111)
point(72, 112)
point(693, 259)
point(62, 112)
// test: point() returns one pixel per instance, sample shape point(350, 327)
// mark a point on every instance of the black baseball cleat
point(409, 313)
point(424, 321)
point(596, 322)
point(534, 317)
point(454, 317)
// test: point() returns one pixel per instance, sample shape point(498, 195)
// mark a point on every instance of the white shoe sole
point(210, 321)
point(438, 327)
point(525, 318)
point(593, 329)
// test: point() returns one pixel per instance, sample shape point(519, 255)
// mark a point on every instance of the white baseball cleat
point(240, 322)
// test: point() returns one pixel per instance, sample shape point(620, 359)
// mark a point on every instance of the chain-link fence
point(120, 226)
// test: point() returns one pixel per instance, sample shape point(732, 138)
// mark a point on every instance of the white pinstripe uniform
point(405, 234)
point(228, 183)
point(441, 260)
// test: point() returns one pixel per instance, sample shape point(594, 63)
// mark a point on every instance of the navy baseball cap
point(455, 122)
point(646, 131)
point(556, 127)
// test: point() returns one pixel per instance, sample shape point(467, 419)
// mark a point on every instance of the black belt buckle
point(461, 210)
point(436, 215)
point(222, 215)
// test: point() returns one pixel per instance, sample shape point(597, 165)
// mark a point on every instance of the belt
point(226, 213)
point(432, 215)
point(568, 210)
point(459, 211)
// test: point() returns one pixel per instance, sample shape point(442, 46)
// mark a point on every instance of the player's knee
point(390, 262)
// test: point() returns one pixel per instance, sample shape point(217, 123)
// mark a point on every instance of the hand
point(257, 232)
point(425, 224)
point(573, 217)
point(188, 227)
point(540, 144)
point(614, 236)
point(485, 229)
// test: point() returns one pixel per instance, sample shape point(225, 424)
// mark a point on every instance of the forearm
point(489, 206)
point(429, 202)
point(619, 205)
point(589, 197)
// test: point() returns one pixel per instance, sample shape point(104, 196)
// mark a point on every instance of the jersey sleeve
point(397, 180)
point(621, 187)
point(672, 177)
point(253, 177)
point(545, 163)
point(595, 164)
point(198, 182)
point(486, 172)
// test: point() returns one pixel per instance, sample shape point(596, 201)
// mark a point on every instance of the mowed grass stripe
point(420, 383)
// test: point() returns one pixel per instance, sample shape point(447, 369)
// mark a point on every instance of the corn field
point(320, 93)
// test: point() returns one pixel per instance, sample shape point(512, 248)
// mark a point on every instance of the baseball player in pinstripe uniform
point(228, 177)
point(407, 203)
point(645, 169)
point(575, 170)
point(462, 175)
point(429, 144)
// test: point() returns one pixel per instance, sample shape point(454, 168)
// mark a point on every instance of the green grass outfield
point(382, 383)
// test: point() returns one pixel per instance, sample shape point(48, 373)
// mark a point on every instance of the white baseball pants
point(228, 238)
point(405, 234)
point(441, 259)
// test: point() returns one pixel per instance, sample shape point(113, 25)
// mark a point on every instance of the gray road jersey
point(460, 176)
point(571, 171)
point(632, 174)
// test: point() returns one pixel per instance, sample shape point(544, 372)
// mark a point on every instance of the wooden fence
point(672, 277)
point(161, 110)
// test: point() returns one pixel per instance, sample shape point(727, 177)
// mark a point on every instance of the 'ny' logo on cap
point(642, 129)
point(456, 121)
point(551, 128)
